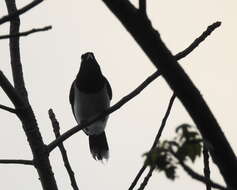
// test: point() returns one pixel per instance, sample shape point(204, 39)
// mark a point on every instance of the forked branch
point(6, 108)
point(19, 98)
point(20, 11)
point(150, 41)
point(62, 149)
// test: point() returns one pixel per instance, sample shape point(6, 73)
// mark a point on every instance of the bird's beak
point(89, 56)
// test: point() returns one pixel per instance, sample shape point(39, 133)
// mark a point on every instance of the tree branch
point(20, 11)
point(142, 6)
point(139, 174)
point(146, 179)
point(178, 56)
point(32, 132)
point(26, 33)
point(167, 113)
point(63, 151)
point(149, 40)
point(206, 166)
point(11, 161)
point(10, 91)
point(127, 98)
point(24, 110)
point(16, 65)
point(11, 110)
point(163, 122)
point(197, 41)
point(197, 176)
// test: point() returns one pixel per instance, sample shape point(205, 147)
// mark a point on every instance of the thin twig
point(12, 161)
point(119, 104)
point(167, 113)
point(197, 176)
point(139, 174)
point(206, 166)
point(163, 122)
point(11, 110)
point(10, 91)
point(26, 33)
point(19, 11)
point(146, 179)
point(197, 41)
point(62, 149)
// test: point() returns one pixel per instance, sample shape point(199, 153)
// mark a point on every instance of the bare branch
point(63, 151)
point(153, 146)
point(32, 132)
point(16, 65)
point(163, 122)
point(146, 179)
point(20, 11)
point(12, 161)
point(22, 105)
point(10, 91)
point(151, 43)
point(11, 110)
point(197, 41)
point(178, 56)
point(26, 33)
point(206, 166)
point(139, 174)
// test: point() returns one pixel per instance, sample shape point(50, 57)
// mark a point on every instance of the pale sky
point(51, 60)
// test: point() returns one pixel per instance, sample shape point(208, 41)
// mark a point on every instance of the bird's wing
point(71, 97)
point(109, 89)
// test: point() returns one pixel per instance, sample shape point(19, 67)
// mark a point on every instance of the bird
point(90, 94)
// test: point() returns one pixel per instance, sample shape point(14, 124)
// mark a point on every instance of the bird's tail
point(98, 146)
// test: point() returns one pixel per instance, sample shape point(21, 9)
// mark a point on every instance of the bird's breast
point(87, 105)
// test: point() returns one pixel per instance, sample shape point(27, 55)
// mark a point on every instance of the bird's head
point(90, 73)
point(87, 56)
point(89, 65)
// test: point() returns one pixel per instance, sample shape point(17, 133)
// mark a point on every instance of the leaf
point(170, 172)
point(189, 149)
point(186, 145)
point(196, 151)
point(151, 157)
point(162, 162)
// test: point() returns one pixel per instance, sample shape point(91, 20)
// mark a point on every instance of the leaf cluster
point(186, 145)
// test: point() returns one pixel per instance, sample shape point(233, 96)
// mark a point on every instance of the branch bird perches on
point(135, 92)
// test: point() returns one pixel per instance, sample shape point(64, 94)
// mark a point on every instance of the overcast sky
point(51, 61)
